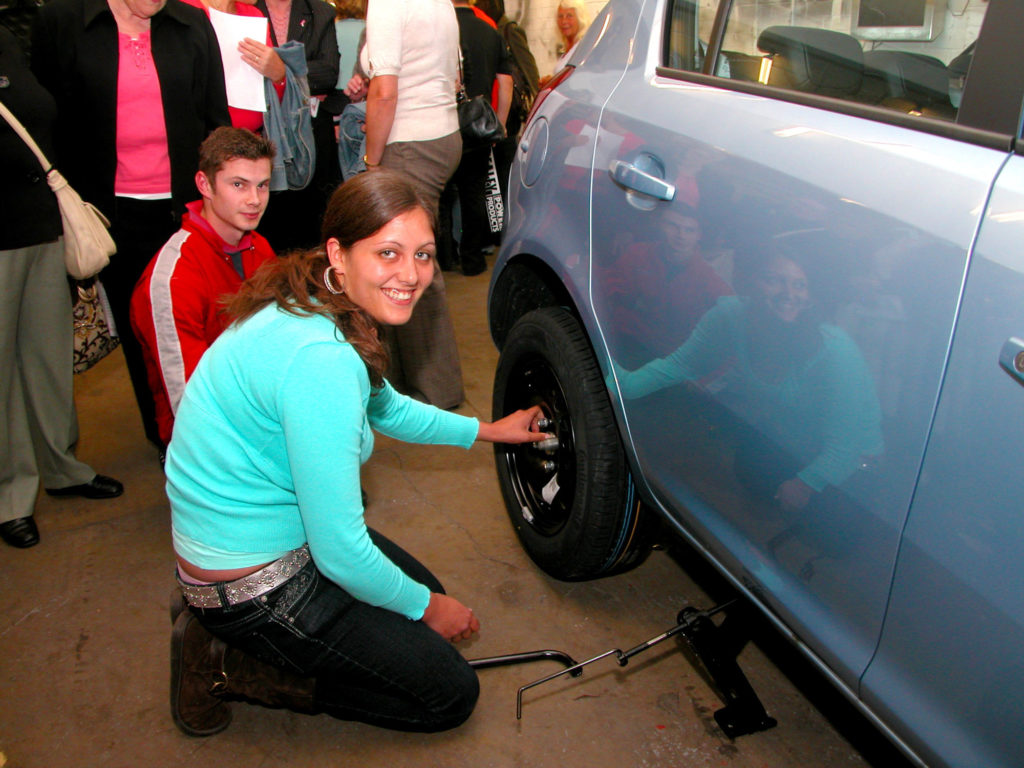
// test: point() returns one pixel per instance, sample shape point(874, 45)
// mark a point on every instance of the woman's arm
point(411, 421)
point(381, 101)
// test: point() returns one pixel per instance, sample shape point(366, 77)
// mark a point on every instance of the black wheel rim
point(536, 470)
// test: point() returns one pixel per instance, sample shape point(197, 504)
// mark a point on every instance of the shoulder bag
point(478, 121)
point(88, 245)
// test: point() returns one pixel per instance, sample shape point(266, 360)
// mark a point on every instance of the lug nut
point(549, 445)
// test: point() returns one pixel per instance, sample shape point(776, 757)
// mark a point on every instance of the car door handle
point(631, 177)
point(1011, 357)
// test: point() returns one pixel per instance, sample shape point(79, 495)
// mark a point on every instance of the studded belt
point(246, 588)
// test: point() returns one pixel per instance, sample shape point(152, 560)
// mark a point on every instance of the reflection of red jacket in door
point(655, 304)
point(176, 312)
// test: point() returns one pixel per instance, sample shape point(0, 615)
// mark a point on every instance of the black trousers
point(293, 217)
point(469, 181)
point(139, 228)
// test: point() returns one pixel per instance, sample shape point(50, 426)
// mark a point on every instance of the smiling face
point(386, 273)
point(785, 289)
point(234, 202)
point(568, 23)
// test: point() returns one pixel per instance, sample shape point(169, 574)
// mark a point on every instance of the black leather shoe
point(100, 487)
point(20, 532)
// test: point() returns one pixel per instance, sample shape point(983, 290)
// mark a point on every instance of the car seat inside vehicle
point(812, 60)
point(914, 82)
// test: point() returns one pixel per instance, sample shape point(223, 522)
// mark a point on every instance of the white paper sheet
point(244, 84)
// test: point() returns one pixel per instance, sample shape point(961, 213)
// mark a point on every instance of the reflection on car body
point(765, 278)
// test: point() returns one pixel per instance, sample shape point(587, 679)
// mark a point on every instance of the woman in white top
point(412, 126)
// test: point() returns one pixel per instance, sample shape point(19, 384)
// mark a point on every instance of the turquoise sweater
point(268, 440)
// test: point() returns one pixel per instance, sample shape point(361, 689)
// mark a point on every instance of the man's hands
point(450, 618)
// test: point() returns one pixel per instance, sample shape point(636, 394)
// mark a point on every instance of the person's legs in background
point(140, 228)
point(293, 216)
point(471, 178)
point(424, 356)
point(40, 425)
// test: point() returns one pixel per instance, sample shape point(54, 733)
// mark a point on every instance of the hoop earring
point(327, 281)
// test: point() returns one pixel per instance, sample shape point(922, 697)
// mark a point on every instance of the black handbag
point(478, 121)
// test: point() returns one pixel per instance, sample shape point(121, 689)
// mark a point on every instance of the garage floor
point(84, 629)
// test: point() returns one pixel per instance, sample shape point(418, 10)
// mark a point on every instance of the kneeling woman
point(294, 601)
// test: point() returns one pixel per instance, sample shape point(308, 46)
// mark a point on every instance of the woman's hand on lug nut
point(518, 427)
point(450, 618)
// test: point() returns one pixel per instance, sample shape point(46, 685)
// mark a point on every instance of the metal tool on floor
point(716, 645)
point(509, 659)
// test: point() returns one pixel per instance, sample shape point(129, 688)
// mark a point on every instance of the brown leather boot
point(195, 663)
point(243, 677)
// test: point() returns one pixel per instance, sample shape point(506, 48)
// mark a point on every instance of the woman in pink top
point(260, 56)
point(138, 85)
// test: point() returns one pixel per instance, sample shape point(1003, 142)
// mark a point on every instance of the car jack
point(717, 647)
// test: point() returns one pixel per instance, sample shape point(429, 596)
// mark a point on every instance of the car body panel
point(949, 664)
point(670, 207)
point(787, 171)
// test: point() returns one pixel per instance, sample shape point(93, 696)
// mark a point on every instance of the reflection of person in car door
point(796, 388)
point(657, 291)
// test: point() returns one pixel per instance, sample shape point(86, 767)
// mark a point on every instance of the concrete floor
point(84, 628)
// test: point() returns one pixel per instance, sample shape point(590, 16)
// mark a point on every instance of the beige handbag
point(88, 245)
point(95, 336)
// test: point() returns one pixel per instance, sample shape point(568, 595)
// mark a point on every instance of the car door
point(948, 668)
point(778, 305)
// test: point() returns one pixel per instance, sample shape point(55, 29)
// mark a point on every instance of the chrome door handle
point(631, 177)
point(1011, 357)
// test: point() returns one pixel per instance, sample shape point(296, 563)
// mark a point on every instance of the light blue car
point(764, 270)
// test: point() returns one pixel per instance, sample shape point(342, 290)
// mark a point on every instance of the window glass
point(689, 28)
point(910, 56)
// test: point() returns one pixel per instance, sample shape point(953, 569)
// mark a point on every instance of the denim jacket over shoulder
point(289, 123)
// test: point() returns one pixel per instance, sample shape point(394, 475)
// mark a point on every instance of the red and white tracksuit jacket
point(176, 310)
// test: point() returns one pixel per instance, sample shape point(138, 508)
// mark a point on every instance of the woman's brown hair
point(357, 209)
point(349, 9)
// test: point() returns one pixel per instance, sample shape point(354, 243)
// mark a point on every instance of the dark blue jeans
point(370, 664)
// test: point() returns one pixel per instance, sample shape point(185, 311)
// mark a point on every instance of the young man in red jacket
point(176, 308)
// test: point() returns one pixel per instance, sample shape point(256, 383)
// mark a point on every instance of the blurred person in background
point(572, 20)
point(412, 126)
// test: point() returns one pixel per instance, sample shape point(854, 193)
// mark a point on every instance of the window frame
point(990, 82)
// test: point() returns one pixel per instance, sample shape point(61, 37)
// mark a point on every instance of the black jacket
point(311, 22)
point(28, 208)
point(75, 56)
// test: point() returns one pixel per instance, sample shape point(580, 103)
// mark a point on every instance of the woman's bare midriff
point(230, 574)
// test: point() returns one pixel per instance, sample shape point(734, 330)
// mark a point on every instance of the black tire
point(573, 505)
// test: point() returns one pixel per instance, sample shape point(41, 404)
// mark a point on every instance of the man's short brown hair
point(226, 143)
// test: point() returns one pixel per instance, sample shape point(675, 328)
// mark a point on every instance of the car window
point(909, 56)
point(689, 25)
